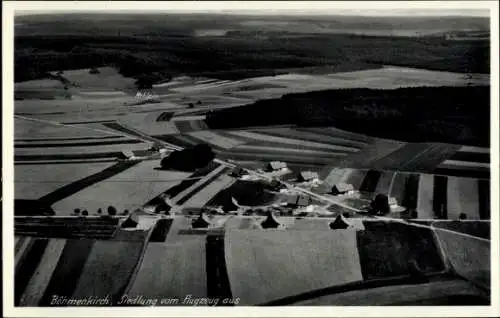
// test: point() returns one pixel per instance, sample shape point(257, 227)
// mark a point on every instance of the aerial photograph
point(246, 158)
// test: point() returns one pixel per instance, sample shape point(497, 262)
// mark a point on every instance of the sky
point(361, 8)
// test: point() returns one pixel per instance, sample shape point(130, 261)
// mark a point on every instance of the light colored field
point(108, 268)
point(197, 184)
point(172, 270)
point(207, 193)
point(425, 196)
point(367, 156)
point(82, 149)
point(35, 181)
point(107, 77)
point(41, 278)
point(390, 295)
point(463, 197)
point(474, 149)
point(335, 176)
point(384, 183)
point(268, 265)
point(465, 164)
point(299, 151)
point(146, 123)
point(174, 236)
point(74, 106)
point(398, 186)
point(289, 141)
point(213, 138)
point(39, 84)
point(310, 136)
point(188, 118)
point(127, 190)
point(32, 129)
point(469, 257)
point(384, 78)
point(354, 177)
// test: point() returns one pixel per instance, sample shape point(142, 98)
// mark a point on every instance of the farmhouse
point(341, 188)
point(298, 200)
point(238, 172)
point(307, 176)
point(276, 165)
point(127, 155)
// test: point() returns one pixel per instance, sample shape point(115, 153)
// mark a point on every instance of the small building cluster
point(296, 200)
point(276, 166)
point(342, 188)
point(305, 176)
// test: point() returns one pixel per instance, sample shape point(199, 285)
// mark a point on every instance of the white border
point(264, 7)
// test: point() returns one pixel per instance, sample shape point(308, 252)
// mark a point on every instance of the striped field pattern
point(240, 261)
point(328, 146)
point(430, 195)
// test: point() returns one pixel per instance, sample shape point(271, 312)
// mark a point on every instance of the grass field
point(108, 269)
point(172, 271)
point(400, 295)
point(123, 190)
point(107, 77)
point(40, 279)
point(35, 181)
point(468, 256)
point(268, 265)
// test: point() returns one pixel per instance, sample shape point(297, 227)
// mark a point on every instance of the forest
point(458, 115)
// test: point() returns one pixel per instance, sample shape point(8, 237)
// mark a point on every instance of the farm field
point(300, 261)
point(37, 180)
point(108, 268)
point(40, 279)
point(26, 129)
point(129, 189)
point(107, 77)
point(182, 263)
point(101, 99)
point(172, 271)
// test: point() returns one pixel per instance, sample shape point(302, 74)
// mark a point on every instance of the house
point(238, 172)
point(292, 200)
point(393, 201)
point(127, 155)
point(276, 165)
point(341, 188)
point(303, 200)
point(307, 176)
point(298, 200)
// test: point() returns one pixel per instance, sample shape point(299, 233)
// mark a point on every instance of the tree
point(85, 213)
point(112, 210)
point(125, 212)
point(380, 205)
point(189, 159)
point(99, 211)
point(76, 211)
point(191, 105)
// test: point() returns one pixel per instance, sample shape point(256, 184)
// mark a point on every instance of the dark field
point(456, 115)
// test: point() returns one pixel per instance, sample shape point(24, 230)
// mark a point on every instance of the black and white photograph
point(171, 154)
